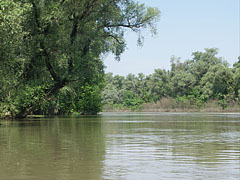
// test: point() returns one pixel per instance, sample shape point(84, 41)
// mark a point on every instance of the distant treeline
point(189, 84)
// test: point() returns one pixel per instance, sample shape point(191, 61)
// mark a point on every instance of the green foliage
point(132, 101)
point(90, 102)
point(218, 80)
point(222, 101)
point(31, 97)
point(236, 78)
point(60, 44)
point(189, 84)
point(182, 83)
point(159, 85)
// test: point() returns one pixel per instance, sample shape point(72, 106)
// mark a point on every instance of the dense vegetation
point(189, 84)
point(51, 61)
point(51, 51)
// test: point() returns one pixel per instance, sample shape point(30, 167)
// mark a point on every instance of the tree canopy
point(189, 84)
point(52, 49)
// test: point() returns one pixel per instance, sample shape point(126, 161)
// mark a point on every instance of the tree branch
point(116, 39)
point(131, 26)
point(86, 48)
point(49, 65)
point(61, 2)
point(73, 35)
point(44, 51)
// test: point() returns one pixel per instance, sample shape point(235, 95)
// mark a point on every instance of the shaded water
point(120, 146)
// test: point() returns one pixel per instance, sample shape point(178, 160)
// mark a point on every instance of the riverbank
point(169, 106)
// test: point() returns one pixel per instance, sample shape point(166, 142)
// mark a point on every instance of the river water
point(122, 146)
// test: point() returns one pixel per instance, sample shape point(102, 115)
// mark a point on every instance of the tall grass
point(187, 105)
point(176, 105)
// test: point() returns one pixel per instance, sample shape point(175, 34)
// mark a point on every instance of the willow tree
point(49, 45)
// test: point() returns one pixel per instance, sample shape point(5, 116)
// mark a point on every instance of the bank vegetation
point(205, 82)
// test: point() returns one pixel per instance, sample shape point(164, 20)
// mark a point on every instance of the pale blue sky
point(185, 26)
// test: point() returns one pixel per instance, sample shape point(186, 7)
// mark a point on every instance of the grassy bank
point(208, 107)
point(171, 105)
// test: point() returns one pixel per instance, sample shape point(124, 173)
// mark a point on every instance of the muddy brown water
point(122, 146)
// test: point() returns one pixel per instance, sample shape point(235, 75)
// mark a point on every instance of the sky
point(185, 26)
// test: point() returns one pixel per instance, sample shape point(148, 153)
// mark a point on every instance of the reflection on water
point(118, 146)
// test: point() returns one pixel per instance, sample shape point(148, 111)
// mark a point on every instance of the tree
point(90, 102)
point(217, 83)
point(236, 78)
point(189, 84)
point(182, 83)
point(12, 35)
point(62, 43)
point(132, 100)
point(159, 85)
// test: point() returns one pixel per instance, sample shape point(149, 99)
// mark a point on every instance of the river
point(122, 146)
